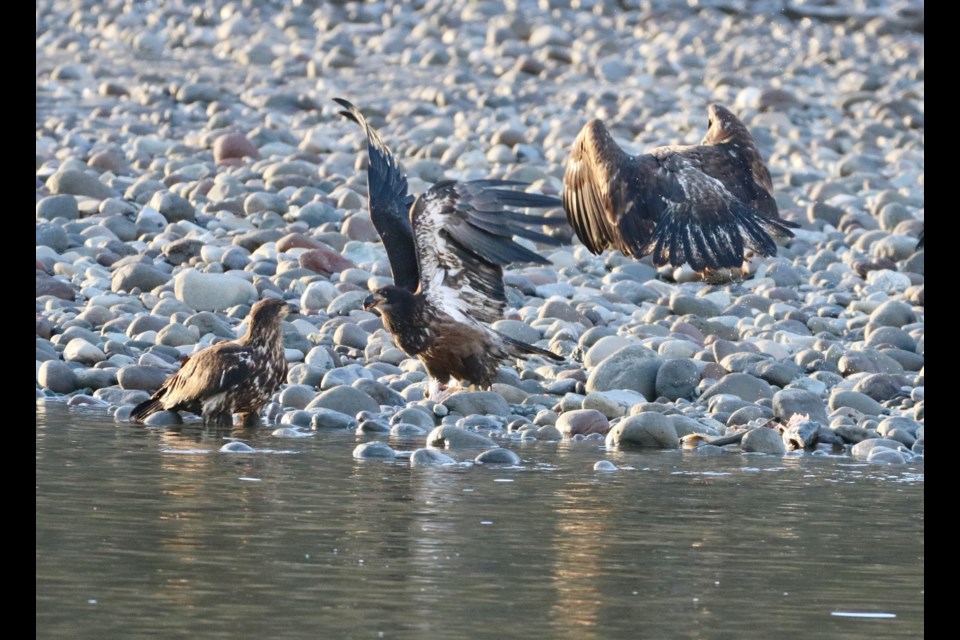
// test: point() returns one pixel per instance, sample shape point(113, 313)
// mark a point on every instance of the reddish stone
point(713, 370)
point(324, 261)
point(584, 421)
point(109, 160)
point(232, 147)
point(293, 240)
point(50, 286)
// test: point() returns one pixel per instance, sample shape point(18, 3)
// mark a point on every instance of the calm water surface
point(154, 533)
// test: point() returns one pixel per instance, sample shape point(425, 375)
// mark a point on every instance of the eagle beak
point(371, 301)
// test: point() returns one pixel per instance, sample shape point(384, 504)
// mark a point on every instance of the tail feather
point(521, 349)
point(706, 244)
point(145, 409)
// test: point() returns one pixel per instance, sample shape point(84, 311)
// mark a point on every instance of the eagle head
point(268, 310)
point(723, 126)
point(389, 300)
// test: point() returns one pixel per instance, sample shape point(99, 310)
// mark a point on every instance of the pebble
point(376, 449)
point(427, 457)
point(645, 430)
point(582, 422)
point(498, 456)
point(763, 440)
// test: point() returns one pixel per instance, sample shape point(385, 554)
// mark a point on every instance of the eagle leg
point(251, 419)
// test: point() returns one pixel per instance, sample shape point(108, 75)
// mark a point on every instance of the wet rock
point(57, 377)
point(763, 440)
point(800, 435)
point(604, 466)
point(649, 429)
point(345, 400)
point(862, 450)
point(142, 378)
point(613, 404)
point(790, 402)
point(374, 450)
point(477, 402)
point(297, 396)
point(451, 437)
point(330, 419)
point(429, 458)
point(855, 400)
point(498, 456)
point(582, 421)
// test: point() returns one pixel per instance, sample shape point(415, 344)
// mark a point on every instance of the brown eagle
point(700, 204)
point(447, 250)
point(234, 377)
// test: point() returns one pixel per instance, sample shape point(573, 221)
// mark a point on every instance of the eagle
point(698, 204)
point(447, 249)
point(233, 377)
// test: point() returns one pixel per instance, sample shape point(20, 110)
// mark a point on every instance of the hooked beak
point(371, 301)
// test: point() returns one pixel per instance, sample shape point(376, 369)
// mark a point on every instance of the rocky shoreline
point(190, 160)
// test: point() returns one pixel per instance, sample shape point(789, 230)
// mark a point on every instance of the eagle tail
point(145, 409)
point(718, 243)
point(520, 349)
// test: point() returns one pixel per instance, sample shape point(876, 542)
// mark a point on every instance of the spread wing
point(217, 369)
point(463, 232)
point(600, 191)
point(706, 226)
point(388, 202)
point(661, 203)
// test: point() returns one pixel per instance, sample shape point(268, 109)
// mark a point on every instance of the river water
point(156, 533)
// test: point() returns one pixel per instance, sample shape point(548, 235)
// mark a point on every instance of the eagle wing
point(220, 368)
point(463, 234)
point(703, 223)
point(661, 203)
point(600, 189)
point(388, 202)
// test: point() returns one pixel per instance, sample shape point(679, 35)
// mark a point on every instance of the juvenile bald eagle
point(234, 377)
point(447, 250)
point(700, 204)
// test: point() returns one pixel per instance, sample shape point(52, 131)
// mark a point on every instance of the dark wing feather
point(707, 226)
point(600, 193)
point(462, 250)
point(216, 369)
point(388, 202)
point(700, 205)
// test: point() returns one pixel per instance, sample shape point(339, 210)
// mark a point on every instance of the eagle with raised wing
point(447, 249)
point(699, 204)
point(227, 378)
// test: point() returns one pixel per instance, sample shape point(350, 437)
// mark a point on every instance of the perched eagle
point(234, 377)
point(447, 250)
point(700, 204)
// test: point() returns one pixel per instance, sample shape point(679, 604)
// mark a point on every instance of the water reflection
point(143, 532)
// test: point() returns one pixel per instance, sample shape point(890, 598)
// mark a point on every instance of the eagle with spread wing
point(227, 378)
point(698, 204)
point(447, 249)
